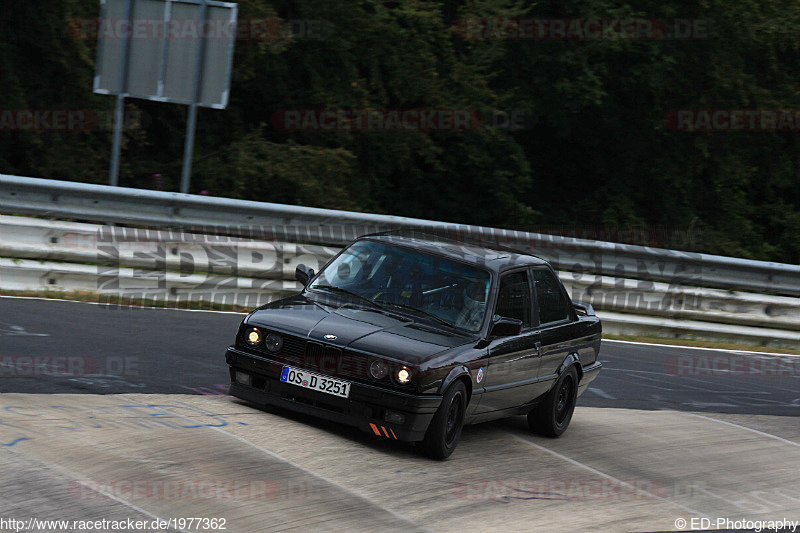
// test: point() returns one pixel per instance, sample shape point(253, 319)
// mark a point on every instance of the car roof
point(494, 258)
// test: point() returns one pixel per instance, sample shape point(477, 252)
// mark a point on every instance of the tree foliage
point(594, 146)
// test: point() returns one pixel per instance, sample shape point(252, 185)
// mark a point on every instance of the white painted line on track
point(608, 476)
point(736, 389)
point(762, 433)
point(684, 386)
point(109, 495)
point(301, 468)
point(601, 393)
point(129, 504)
point(121, 306)
point(706, 405)
point(680, 346)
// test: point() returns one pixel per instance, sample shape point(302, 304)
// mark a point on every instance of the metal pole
point(115, 150)
point(119, 110)
point(188, 149)
point(191, 121)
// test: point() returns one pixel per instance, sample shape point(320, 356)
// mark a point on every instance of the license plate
point(317, 382)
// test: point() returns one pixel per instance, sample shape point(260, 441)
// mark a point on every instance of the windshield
point(424, 285)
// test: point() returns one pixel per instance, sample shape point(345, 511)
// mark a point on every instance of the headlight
point(403, 376)
point(273, 342)
point(378, 368)
point(253, 336)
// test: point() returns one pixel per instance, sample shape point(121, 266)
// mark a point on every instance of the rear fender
point(571, 359)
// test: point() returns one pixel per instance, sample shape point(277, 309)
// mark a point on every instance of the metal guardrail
point(249, 293)
point(194, 248)
point(188, 260)
point(284, 223)
point(685, 302)
point(128, 286)
point(74, 242)
point(127, 264)
point(638, 325)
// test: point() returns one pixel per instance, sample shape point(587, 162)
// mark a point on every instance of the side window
point(514, 299)
point(551, 301)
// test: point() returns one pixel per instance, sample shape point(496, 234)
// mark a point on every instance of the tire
point(552, 417)
point(443, 434)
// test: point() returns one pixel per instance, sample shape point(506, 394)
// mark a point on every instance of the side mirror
point(584, 308)
point(303, 274)
point(506, 327)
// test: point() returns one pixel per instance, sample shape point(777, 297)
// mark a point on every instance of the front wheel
point(443, 434)
point(551, 418)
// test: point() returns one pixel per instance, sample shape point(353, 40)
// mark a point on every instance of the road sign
point(177, 51)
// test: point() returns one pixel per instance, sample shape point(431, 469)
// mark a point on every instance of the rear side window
point(551, 301)
point(514, 299)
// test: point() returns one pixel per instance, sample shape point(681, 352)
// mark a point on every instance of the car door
point(556, 322)
point(513, 362)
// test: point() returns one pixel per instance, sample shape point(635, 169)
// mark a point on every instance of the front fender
point(457, 373)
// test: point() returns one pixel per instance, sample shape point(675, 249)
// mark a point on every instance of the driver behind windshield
point(471, 315)
point(383, 274)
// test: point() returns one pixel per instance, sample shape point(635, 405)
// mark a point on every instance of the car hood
point(359, 327)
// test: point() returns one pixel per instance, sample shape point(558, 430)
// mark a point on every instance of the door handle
point(537, 346)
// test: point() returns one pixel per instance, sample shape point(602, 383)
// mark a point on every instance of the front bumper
point(365, 408)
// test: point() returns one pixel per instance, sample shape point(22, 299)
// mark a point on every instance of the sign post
point(191, 121)
point(119, 110)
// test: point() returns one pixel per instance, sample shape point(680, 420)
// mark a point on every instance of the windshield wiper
point(418, 310)
point(331, 288)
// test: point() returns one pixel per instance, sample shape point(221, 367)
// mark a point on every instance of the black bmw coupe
point(411, 337)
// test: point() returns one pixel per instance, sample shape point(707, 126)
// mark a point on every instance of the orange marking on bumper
point(393, 435)
point(375, 429)
point(384, 432)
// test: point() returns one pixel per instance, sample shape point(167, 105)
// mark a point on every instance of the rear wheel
point(552, 417)
point(445, 430)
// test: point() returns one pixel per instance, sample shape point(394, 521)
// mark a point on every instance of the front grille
point(355, 365)
point(317, 348)
point(334, 361)
point(293, 345)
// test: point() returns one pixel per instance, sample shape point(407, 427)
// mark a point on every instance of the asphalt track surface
point(146, 432)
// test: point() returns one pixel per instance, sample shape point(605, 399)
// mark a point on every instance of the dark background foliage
point(592, 148)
